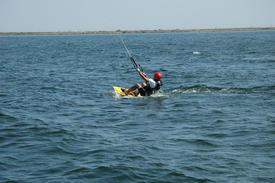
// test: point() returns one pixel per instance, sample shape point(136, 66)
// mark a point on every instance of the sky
point(112, 15)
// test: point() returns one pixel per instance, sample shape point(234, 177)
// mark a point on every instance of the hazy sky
point(89, 15)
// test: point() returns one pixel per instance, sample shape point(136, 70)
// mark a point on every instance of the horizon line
point(136, 31)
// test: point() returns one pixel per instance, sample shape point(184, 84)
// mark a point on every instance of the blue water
point(213, 121)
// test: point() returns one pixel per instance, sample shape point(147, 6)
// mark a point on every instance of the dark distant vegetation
point(135, 31)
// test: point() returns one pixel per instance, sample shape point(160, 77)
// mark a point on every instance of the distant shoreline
point(134, 31)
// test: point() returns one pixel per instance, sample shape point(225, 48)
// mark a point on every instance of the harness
point(149, 91)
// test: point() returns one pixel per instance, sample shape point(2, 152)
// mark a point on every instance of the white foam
point(196, 53)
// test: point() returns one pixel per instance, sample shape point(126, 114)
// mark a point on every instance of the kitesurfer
point(149, 87)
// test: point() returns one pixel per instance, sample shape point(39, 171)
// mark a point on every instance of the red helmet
point(157, 76)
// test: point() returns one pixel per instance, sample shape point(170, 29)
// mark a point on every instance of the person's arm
point(143, 75)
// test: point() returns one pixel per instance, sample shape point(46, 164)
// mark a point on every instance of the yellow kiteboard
point(120, 91)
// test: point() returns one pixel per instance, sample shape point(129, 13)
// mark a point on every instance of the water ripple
point(213, 120)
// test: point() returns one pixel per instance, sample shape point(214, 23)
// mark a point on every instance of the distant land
point(134, 31)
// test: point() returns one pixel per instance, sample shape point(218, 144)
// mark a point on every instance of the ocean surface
point(213, 120)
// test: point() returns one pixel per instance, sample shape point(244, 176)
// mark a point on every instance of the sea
point(212, 121)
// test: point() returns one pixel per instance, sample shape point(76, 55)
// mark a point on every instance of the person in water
point(149, 87)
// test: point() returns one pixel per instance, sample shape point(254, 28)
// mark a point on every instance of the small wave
point(175, 176)
point(202, 142)
point(48, 88)
point(252, 52)
point(3, 95)
point(7, 117)
point(99, 172)
point(8, 144)
point(58, 149)
point(270, 61)
point(77, 170)
point(54, 132)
